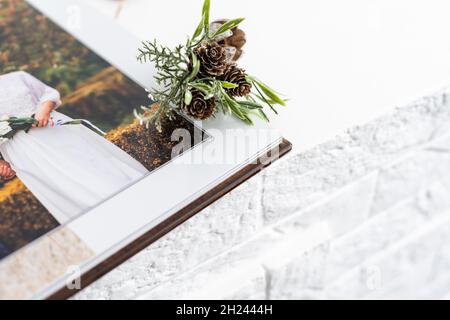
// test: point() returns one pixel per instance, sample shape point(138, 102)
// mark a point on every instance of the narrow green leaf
point(234, 106)
point(250, 105)
point(228, 85)
point(249, 78)
point(199, 29)
point(248, 120)
point(237, 112)
point(195, 68)
point(261, 97)
point(228, 26)
point(265, 100)
point(205, 89)
point(225, 107)
point(187, 97)
point(270, 93)
point(206, 14)
point(264, 115)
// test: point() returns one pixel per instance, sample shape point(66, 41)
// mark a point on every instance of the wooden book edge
point(175, 220)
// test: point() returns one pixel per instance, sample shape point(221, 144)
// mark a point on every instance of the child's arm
point(49, 98)
point(43, 115)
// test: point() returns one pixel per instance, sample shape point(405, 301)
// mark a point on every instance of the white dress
point(68, 168)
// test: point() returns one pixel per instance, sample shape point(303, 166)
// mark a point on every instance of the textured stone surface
point(219, 227)
point(364, 215)
point(412, 262)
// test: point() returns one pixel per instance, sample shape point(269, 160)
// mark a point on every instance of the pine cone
point(236, 41)
point(199, 108)
point(237, 76)
point(213, 58)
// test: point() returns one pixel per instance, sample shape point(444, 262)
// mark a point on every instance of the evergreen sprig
point(178, 76)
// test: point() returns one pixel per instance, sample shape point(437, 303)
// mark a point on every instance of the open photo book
point(85, 185)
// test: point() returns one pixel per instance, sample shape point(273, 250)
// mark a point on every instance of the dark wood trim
point(175, 220)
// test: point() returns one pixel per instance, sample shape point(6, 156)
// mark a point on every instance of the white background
point(341, 63)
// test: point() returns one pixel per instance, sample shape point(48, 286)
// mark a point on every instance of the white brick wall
point(366, 215)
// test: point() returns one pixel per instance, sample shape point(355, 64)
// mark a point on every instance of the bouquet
point(10, 126)
point(201, 77)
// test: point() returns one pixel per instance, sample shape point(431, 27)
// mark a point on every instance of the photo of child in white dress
point(68, 168)
point(51, 173)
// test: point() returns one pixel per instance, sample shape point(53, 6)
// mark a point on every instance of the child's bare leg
point(6, 172)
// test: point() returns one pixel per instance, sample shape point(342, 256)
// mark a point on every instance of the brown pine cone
point(213, 58)
point(199, 108)
point(237, 40)
point(237, 76)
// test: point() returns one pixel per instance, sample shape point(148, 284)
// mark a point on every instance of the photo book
point(85, 184)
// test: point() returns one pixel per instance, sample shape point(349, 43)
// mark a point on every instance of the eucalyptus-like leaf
point(228, 26)
point(187, 97)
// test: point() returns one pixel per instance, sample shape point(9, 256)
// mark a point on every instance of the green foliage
point(206, 14)
point(227, 26)
point(178, 74)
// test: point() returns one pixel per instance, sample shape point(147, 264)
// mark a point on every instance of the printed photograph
point(68, 136)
